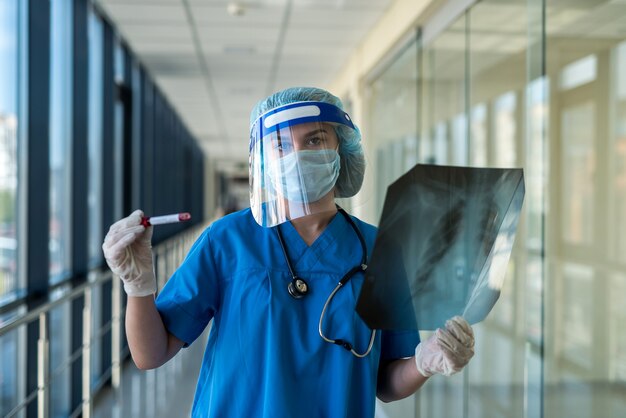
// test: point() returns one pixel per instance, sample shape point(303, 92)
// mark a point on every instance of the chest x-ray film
point(443, 245)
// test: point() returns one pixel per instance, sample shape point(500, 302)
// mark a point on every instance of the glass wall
point(60, 157)
point(443, 102)
point(497, 39)
point(585, 351)
point(11, 360)
point(94, 135)
point(394, 97)
point(9, 82)
point(60, 136)
point(539, 85)
point(444, 141)
point(119, 128)
point(69, 53)
point(59, 354)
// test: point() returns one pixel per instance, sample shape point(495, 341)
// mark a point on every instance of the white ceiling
point(214, 66)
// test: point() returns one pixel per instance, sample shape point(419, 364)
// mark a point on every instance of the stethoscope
point(298, 287)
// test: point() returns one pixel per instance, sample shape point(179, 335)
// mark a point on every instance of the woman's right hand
point(128, 252)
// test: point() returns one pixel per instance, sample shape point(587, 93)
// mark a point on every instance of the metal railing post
point(116, 346)
point(43, 367)
point(86, 375)
point(165, 260)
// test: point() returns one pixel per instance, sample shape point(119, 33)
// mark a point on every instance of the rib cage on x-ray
point(438, 237)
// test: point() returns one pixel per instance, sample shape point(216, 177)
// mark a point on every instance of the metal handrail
point(33, 314)
point(174, 247)
point(101, 277)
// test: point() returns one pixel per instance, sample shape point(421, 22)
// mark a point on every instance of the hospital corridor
point(313, 208)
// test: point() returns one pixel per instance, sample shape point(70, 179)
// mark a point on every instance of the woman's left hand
point(448, 350)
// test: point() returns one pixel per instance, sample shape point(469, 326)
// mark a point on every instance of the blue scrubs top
point(264, 357)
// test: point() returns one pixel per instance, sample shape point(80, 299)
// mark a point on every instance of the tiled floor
point(166, 392)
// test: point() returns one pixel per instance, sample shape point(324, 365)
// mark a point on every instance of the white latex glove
point(128, 252)
point(448, 350)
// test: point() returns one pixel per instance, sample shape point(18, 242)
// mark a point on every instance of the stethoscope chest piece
point(298, 288)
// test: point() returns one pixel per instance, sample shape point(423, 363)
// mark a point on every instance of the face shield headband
point(294, 114)
point(294, 160)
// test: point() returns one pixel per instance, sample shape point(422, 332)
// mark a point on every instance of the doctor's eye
point(315, 141)
point(283, 146)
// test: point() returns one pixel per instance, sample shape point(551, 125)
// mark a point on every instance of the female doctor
point(280, 281)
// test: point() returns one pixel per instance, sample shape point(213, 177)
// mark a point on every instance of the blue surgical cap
point(351, 153)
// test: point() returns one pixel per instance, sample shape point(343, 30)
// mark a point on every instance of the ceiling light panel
point(218, 16)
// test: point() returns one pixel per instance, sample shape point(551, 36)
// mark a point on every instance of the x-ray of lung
point(444, 241)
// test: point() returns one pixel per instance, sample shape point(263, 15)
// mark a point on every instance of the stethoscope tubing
point(298, 283)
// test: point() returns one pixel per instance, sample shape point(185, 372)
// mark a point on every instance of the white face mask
point(304, 176)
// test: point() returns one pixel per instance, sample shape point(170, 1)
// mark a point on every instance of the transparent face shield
point(294, 161)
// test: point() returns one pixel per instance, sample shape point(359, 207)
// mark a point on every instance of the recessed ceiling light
point(235, 9)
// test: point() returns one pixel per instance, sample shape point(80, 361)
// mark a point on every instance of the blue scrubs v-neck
point(264, 352)
point(305, 257)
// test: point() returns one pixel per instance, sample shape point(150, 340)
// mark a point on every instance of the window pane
point(578, 162)
point(478, 135)
point(459, 149)
point(576, 334)
point(60, 135)
point(444, 140)
point(618, 157)
point(393, 109)
point(618, 319)
point(97, 341)
point(12, 370)
point(8, 144)
point(94, 195)
point(118, 134)
point(59, 327)
point(497, 36)
point(535, 170)
point(444, 130)
point(579, 72)
point(505, 130)
point(584, 310)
